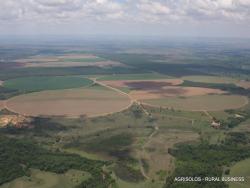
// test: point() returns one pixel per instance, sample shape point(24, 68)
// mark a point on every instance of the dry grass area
point(74, 64)
point(143, 84)
point(172, 91)
point(1, 82)
point(156, 154)
point(200, 103)
point(69, 102)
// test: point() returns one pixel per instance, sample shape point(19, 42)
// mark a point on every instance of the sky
point(180, 18)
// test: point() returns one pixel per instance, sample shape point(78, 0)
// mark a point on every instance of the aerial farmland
point(133, 118)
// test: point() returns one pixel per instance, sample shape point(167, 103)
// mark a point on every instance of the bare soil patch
point(171, 91)
point(1, 82)
point(17, 121)
point(144, 84)
point(244, 84)
point(69, 102)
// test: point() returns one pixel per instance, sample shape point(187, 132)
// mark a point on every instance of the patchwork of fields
point(168, 93)
point(125, 110)
point(69, 60)
point(75, 102)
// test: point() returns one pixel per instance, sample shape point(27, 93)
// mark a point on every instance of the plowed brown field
point(143, 84)
point(171, 91)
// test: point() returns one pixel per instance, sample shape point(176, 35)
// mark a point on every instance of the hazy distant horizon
point(138, 40)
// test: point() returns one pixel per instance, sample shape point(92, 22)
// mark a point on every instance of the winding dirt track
point(156, 129)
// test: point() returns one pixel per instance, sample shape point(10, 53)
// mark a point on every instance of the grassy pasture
point(200, 103)
point(244, 126)
point(146, 76)
point(209, 79)
point(42, 179)
point(157, 155)
point(32, 84)
point(240, 169)
point(69, 102)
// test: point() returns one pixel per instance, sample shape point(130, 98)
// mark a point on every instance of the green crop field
point(32, 84)
point(210, 79)
point(146, 76)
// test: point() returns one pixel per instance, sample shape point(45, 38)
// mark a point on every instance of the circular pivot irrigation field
point(69, 102)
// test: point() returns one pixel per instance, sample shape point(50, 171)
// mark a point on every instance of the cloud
point(136, 10)
point(10, 10)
